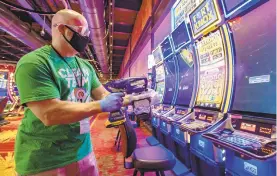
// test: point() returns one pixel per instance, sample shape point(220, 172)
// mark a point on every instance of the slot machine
point(166, 84)
point(184, 91)
point(248, 135)
point(213, 66)
point(150, 73)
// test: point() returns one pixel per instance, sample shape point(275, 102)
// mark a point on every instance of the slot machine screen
point(255, 71)
point(160, 90)
point(211, 58)
point(157, 54)
point(234, 7)
point(160, 73)
point(186, 75)
point(180, 36)
point(170, 79)
point(3, 84)
point(166, 48)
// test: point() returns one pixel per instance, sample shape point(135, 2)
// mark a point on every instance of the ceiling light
point(111, 23)
point(111, 45)
point(3, 57)
point(111, 36)
point(111, 3)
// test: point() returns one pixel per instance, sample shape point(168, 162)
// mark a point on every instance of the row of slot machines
point(8, 87)
point(216, 78)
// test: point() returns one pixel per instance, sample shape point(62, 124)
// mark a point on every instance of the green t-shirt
point(42, 75)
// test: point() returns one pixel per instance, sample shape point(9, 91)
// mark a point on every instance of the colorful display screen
point(170, 79)
point(248, 127)
point(211, 58)
point(180, 36)
point(160, 73)
point(232, 4)
point(3, 84)
point(234, 7)
point(204, 16)
point(166, 48)
point(160, 90)
point(182, 10)
point(157, 55)
point(202, 117)
point(186, 76)
point(262, 129)
point(180, 111)
point(206, 117)
point(255, 69)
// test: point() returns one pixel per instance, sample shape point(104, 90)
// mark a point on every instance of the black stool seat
point(153, 158)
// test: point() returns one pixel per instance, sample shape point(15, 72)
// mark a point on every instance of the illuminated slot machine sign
point(205, 18)
point(12, 88)
point(3, 84)
point(160, 74)
point(151, 63)
point(157, 54)
point(181, 10)
point(166, 48)
point(160, 90)
point(212, 70)
point(232, 8)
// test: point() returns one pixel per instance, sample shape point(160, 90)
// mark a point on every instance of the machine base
point(202, 166)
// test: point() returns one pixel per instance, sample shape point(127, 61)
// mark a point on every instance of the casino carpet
point(110, 161)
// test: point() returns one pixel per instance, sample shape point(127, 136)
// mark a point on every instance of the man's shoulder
point(38, 56)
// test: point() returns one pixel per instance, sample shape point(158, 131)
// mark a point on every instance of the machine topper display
point(205, 18)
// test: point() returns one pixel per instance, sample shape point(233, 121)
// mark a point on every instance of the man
point(55, 86)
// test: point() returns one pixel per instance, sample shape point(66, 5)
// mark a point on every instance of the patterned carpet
point(110, 161)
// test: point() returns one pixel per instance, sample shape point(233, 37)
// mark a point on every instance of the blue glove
point(112, 102)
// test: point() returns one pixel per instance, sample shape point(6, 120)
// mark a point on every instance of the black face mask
point(78, 42)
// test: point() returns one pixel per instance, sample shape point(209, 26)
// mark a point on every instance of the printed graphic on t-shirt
point(75, 92)
point(69, 76)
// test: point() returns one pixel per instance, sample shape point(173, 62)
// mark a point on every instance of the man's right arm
point(39, 92)
point(57, 112)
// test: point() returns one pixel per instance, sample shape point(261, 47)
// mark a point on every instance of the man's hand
point(112, 102)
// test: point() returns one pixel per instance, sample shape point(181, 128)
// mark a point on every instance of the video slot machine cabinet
point(214, 81)
point(164, 106)
point(184, 60)
point(170, 67)
point(248, 135)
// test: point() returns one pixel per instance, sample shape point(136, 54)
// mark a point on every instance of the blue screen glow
point(186, 76)
point(170, 79)
point(255, 61)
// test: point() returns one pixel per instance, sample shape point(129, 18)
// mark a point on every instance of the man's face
point(67, 30)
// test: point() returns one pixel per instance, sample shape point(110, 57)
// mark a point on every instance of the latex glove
point(112, 102)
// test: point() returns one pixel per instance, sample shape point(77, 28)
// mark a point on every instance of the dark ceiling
point(123, 14)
